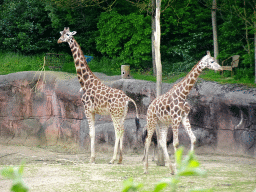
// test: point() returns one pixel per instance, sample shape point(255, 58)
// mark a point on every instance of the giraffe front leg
point(187, 126)
point(175, 130)
point(91, 122)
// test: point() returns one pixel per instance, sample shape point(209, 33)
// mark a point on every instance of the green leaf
point(160, 186)
point(178, 156)
point(193, 163)
point(192, 172)
point(8, 173)
point(19, 187)
point(129, 185)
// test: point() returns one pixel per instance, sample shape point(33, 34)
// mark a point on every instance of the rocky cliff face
point(46, 110)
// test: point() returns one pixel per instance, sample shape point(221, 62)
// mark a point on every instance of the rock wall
point(45, 109)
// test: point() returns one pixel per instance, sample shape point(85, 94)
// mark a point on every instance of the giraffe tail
point(137, 120)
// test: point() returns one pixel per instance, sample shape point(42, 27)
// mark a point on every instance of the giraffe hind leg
point(162, 141)
point(119, 131)
point(121, 150)
point(150, 131)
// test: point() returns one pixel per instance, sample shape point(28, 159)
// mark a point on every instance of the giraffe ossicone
point(98, 98)
point(172, 109)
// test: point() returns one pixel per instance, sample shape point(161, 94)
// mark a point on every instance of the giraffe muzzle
point(59, 41)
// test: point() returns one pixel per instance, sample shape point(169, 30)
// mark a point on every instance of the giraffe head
point(209, 62)
point(66, 35)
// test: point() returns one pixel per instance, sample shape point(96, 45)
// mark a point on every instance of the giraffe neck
point(83, 71)
point(185, 85)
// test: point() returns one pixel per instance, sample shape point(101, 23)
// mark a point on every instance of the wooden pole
point(153, 29)
point(160, 159)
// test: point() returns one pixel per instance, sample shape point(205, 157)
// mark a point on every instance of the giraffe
point(172, 109)
point(98, 98)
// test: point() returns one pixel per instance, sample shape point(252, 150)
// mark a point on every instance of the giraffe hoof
point(119, 162)
point(111, 162)
point(145, 172)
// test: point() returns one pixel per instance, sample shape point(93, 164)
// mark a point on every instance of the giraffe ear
point(208, 53)
point(73, 33)
point(61, 32)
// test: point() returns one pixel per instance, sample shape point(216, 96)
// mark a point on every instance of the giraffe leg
point(119, 130)
point(175, 131)
point(91, 122)
point(153, 155)
point(121, 150)
point(162, 141)
point(150, 129)
point(187, 126)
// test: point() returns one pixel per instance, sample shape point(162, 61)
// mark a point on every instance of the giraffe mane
point(192, 70)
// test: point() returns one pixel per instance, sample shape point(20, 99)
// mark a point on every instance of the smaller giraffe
point(172, 109)
point(99, 98)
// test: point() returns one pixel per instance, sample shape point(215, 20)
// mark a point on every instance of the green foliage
point(125, 37)
point(117, 32)
point(24, 26)
point(81, 19)
point(189, 166)
point(15, 174)
point(129, 186)
point(186, 34)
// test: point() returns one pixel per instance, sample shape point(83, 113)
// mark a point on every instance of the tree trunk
point(214, 30)
point(160, 160)
point(255, 43)
point(153, 29)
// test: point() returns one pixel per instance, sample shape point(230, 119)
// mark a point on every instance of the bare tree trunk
point(214, 29)
point(153, 29)
point(255, 43)
point(247, 37)
point(160, 160)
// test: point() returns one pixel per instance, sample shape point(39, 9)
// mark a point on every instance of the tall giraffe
point(172, 109)
point(99, 98)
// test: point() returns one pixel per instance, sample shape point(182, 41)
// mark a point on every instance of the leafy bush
point(15, 174)
point(24, 27)
point(125, 38)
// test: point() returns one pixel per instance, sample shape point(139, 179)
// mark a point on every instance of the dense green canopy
point(121, 30)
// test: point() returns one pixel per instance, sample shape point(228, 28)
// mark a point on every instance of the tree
point(255, 43)
point(157, 39)
point(125, 38)
point(24, 27)
point(214, 29)
point(237, 34)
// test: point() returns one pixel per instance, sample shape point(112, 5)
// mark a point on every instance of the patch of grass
point(210, 75)
point(15, 62)
point(105, 65)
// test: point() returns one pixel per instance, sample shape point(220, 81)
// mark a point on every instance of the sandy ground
point(48, 170)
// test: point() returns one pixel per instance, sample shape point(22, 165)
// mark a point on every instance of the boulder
point(46, 109)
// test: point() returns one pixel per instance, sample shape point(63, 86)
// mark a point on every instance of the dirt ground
point(47, 170)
